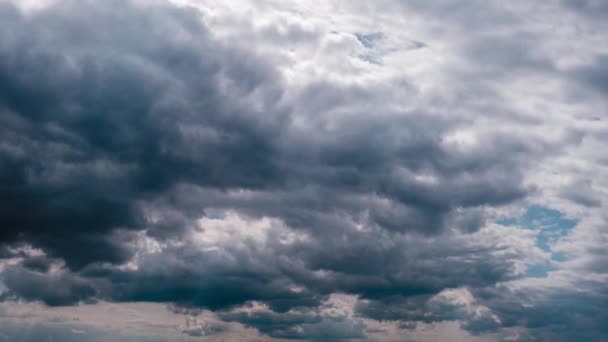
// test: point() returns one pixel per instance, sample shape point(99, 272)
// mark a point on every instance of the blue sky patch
point(369, 40)
point(539, 270)
point(551, 224)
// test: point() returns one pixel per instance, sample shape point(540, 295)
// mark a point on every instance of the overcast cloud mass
point(261, 170)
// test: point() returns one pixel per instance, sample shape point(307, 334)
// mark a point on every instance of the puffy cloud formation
point(304, 170)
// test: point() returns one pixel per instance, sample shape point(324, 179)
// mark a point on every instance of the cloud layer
point(400, 167)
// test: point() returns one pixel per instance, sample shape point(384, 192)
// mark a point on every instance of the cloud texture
point(267, 168)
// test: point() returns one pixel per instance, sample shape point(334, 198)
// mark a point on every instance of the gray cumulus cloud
point(268, 175)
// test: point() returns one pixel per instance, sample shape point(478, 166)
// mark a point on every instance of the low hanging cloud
point(271, 169)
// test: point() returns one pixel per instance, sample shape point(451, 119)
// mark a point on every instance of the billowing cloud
point(318, 171)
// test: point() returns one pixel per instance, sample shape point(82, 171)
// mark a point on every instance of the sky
point(264, 170)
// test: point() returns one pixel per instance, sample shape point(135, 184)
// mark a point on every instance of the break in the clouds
point(332, 170)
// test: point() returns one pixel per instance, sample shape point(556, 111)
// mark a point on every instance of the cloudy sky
point(265, 170)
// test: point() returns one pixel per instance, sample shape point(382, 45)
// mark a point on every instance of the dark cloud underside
point(146, 158)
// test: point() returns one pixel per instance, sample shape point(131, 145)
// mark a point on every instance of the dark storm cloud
point(304, 274)
point(555, 314)
point(213, 282)
point(108, 106)
point(310, 326)
point(549, 313)
point(53, 289)
point(121, 122)
point(96, 119)
point(426, 309)
point(37, 263)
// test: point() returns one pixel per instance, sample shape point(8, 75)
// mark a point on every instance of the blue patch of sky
point(369, 40)
point(375, 49)
point(539, 270)
point(371, 59)
point(551, 225)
